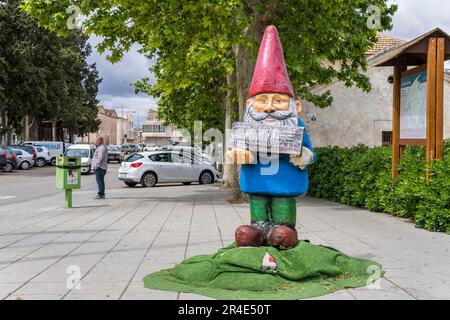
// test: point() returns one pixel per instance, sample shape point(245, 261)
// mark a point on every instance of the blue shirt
point(289, 181)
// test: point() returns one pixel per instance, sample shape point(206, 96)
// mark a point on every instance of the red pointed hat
point(270, 74)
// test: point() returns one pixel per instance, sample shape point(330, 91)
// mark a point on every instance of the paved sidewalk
point(117, 242)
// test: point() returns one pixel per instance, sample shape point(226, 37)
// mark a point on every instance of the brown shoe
point(250, 236)
point(282, 237)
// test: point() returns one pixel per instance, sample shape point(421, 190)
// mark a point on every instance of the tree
point(43, 76)
point(205, 49)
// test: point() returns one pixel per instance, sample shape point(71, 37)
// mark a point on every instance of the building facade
point(108, 127)
point(155, 133)
point(356, 117)
point(125, 129)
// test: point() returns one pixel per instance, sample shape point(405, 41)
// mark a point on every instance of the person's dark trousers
point(100, 177)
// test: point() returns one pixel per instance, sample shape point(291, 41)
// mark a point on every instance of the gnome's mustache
point(278, 115)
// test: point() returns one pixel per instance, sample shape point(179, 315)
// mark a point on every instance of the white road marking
point(6, 197)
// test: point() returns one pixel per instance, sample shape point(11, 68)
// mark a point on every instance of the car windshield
point(113, 148)
point(84, 153)
point(134, 157)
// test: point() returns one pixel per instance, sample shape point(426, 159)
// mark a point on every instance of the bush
point(361, 177)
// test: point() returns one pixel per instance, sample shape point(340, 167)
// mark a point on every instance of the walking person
point(100, 166)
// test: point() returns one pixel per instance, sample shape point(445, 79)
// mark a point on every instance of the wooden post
point(431, 105)
point(440, 98)
point(396, 122)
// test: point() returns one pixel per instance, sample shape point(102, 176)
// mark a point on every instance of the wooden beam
point(396, 121)
point(416, 142)
point(431, 104)
point(440, 98)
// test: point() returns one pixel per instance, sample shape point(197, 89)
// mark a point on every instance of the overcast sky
point(413, 18)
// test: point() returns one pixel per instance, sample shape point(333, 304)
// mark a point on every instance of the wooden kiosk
point(418, 106)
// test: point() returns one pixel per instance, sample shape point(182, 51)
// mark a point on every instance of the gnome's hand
point(240, 156)
point(305, 159)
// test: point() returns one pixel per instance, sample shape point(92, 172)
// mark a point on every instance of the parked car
point(152, 148)
point(43, 156)
point(3, 157)
point(127, 148)
point(115, 154)
point(55, 149)
point(150, 168)
point(11, 161)
point(25, 160)
point(86, 152)
point(28, 148)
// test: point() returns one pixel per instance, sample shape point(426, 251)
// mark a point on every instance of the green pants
point(275, 210)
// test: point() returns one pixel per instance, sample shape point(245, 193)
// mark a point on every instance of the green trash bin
point(68, 176)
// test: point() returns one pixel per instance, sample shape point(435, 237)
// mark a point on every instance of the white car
point(43, 156)
point(86, 152)
point(24, 159)
point(151, 148)
point(55, 148)
point(150, 168)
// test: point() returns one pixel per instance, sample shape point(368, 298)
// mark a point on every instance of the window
point(160, 157)
point(83, 153)
point(386, 138)
point(40, 149)
point(134, 157)
point(154, 128)
point(181, 157)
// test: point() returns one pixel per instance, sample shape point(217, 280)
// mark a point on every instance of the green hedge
point(361, 177)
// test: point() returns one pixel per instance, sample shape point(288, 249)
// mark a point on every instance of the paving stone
point(139, 231)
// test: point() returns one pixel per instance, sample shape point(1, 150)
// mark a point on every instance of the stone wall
point(356, 117)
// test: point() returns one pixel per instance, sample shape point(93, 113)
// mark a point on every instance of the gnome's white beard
point(276, 118)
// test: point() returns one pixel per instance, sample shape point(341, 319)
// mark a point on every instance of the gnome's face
point(272, 109)
point(271, 102)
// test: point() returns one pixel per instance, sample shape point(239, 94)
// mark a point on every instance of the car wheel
point(53, 162)
point(206, 178)
point(8, 168)
point(40, 162)
point(187, 183)
point(131, 184)
point(149, 179)
point(25, 165)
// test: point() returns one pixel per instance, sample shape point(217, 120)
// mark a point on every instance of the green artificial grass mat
point(304, 271)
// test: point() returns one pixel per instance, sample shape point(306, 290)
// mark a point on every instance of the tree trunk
point(245, 57)
point(230, 171)
point(239, 82)
point(7, 129)
point(34, 130)
point(244, 73)
point(54, 135)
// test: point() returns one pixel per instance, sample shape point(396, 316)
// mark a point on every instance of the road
point(36, 183)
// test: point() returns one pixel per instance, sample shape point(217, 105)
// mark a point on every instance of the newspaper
point(262, 138)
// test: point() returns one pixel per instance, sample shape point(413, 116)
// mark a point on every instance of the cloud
point(140, 104)
point(416, 17)
point(117, 89)
point(413, 18)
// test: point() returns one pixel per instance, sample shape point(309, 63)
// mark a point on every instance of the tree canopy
point(43, 75)
point(205, 49)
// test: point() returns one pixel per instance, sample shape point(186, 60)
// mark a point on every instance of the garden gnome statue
point(272, 195)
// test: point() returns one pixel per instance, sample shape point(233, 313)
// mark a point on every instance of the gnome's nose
point(270, 109)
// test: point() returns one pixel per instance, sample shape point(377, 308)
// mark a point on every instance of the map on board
point(413, 106)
